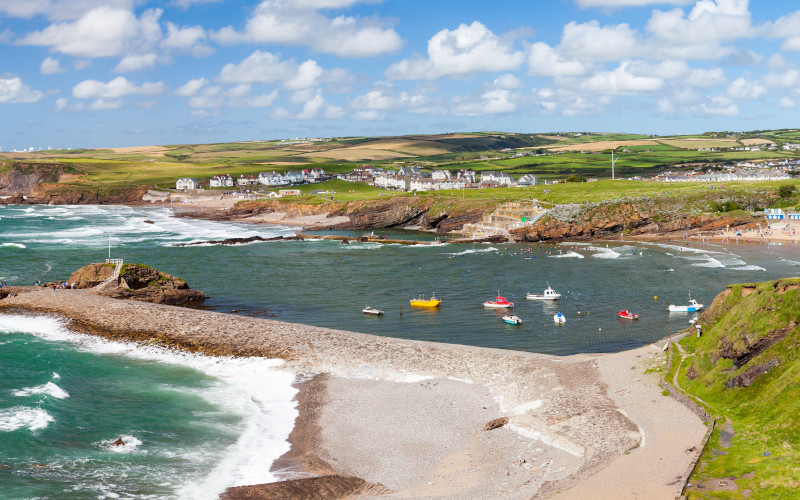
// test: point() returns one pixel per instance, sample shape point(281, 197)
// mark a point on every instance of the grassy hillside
point(750, 329)
point(584, 154)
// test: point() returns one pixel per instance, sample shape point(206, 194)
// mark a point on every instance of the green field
point(477, 151)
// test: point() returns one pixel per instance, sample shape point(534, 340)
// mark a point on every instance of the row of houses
point(308, 175)
point(779, 214)
point(739, 175)
point(412, 179)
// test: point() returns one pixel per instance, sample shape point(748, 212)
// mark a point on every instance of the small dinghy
point(512, 319)
point(625, 314)
point(372, 311)
point(559, 318)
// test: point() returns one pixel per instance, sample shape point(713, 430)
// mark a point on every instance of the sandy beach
point(387, 417)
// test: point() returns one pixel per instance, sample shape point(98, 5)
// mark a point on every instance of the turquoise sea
point(195, 425)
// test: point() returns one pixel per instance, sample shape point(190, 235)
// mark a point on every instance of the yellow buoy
point(655, 298)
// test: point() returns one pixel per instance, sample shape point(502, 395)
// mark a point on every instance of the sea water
point(194, 425)
point(191, 425)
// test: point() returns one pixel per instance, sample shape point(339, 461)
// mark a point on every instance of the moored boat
point(421, 301)
point(692, 307)
point(512, 319)
point(549, 294)
point(374, 311)
point(625, 314)
point(559, 318)
point(498, 303)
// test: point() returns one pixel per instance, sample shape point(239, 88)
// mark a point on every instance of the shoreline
point(419, 406)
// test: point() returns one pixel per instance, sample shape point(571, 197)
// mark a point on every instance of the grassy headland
point(744, 369)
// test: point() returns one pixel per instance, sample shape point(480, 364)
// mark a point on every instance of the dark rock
point(118, 442)
point(691, 373)
point(495, 424)
point(747, 378)
point(345, 242)
point(137, 282)
point(149, 222)
point(240, 241)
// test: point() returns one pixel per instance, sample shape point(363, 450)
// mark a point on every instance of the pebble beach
point(382, 416)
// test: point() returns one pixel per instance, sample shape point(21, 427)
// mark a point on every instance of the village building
point(271, 179)
point(289, 192)
point(293, 177)
point(221, 181)
point(527, 180)
point(247, 180)
point(187, 183)
point(441, 175)
point(499, 178)
point(468, 175)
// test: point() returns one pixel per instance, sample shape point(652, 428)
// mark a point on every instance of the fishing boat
point(498, 303)
point(692, 307)
point(625, 314)
point(374, 311)
point(421, 301)
point(559, 318)
point(549, 294)
point(512, 319)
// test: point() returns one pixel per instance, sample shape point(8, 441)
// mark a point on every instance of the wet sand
point(401, 418)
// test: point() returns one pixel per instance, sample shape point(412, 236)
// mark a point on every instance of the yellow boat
point(423, 302)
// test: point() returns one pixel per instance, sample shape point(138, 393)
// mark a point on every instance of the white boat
point(692, 307)
point(372, 310)
point(559, 318)
point(512, 319)
point(549, 294)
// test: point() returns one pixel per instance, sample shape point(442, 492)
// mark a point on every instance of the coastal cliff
point(606, 220)
point(743, 369)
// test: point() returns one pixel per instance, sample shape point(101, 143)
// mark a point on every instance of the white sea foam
point(23, 417)
point(748, 267)
point(255, 388)
point(574, 255)
point(605, 253)
point(474, 250)
point(709, 262)
point(17, 245)
point(49, 389)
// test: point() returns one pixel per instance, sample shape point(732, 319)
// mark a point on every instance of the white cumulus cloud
point(467, 49)
point(276, 21)
point(118, 87)
point(50, 66)
point(14, 90)
point(101, 32)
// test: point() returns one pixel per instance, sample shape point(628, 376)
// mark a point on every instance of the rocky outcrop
point(137, 282)
point(747, 378)
point(325, 487)
point(240, 241)
point(603, 220)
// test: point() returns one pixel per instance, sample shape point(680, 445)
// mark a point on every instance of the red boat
point(627, 315)
point(499, 302)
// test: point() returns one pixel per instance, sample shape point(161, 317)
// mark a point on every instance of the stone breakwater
point(553, 403)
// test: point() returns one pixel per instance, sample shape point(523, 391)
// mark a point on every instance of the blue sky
point(91, 73)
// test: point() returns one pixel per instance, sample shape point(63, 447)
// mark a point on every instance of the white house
point(468, 175)
point(247, 180)
point(271, 179)
point(388, 181)
point(453, 184)
point(313, 174)
point(221, 181)
point(527, 180)
point(293, 177)
point(499, 178)
point(187, 183)
point(420, 184)
point(440, 175)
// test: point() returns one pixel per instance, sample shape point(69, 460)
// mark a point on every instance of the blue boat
point(512, 319)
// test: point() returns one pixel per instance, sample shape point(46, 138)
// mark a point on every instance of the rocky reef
point(137, 282)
